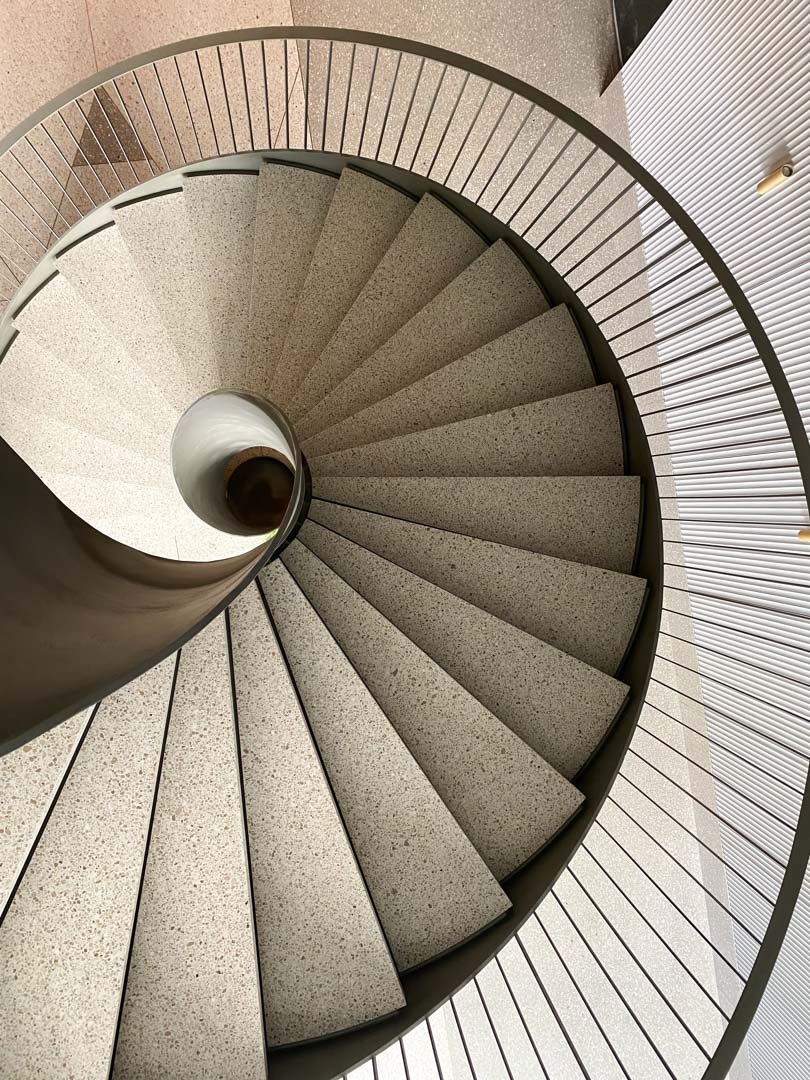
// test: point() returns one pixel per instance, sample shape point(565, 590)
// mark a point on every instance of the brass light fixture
point(774, 179)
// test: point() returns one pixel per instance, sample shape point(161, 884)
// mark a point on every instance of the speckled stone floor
point(568, 50)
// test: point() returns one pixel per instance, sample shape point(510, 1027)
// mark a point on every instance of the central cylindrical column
point(258, 486)
point(234, 458)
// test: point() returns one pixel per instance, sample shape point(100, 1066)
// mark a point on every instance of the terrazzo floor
point(568, 50)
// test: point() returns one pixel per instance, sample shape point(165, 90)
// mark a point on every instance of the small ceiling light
point(777, 177)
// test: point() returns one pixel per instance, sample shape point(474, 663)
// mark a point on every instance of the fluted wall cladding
point(471, 536)
point(749, 63)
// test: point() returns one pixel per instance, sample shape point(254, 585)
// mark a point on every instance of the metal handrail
point(642, 233)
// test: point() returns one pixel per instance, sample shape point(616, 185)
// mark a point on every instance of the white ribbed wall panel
point(717, 97)
point(641, 952)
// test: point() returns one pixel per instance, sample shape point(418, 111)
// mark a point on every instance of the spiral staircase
point(279, 792)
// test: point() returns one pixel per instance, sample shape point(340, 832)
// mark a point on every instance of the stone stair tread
point(493, 295)
point(61, 323)
point(577, 434)
point(324, 960)
point(542, 358)
point(429, 885)
point(65, 939)
point(28, 777)
point(158, 236)
point(362, 222)
point(221, 210)
point(586, 519)
point(560, 706)
point(432, 248)
point(57, 447)
point(506, 798)
point(585, 611)
point(103, 272)
point(291, 207)
point(35, 379)
point(177, 533)
point(191, 996)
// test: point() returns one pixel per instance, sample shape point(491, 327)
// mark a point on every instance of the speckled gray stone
point(560, 706)
point(145, 511)
point(36, 379)
point(221, 211)
point(104, 274)
point(585, 611)
point(430, 887)
point(492, 296)
point(507, 799)
point(541, 358)
point(58, 319)
point(157, 234)
point(28, 776)
point(577, 434)
point(64, 941)
point(192, 1004)
point(291, 207)
point(364, 217)
point(24, 235)
point(537, 1015)
point(152, 519)
point(325, 962)
point(55, 447)
point(587, 519)
point(434, 246)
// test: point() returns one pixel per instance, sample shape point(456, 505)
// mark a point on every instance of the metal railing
point(650, 953)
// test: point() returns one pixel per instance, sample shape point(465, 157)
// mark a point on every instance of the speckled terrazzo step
point(64, 941)
point(560, 706)
point(587, 519)
point(104, 465)
point(145, 511)
point(505, 797)
point(291, 207)
point(59, 321)
point(221, 210)
point(179, 534)
point(35, 379)
point(493, 295)
point(102, 271)
point(577, 434)
point(429, 885)
point(191, 999)
point(158, 236)
point(585, 611)
point(364, 217)
point(433, 246)
point(541, 358)
point(28, 778)
point(144, 516)
point(324, 960)
point(57, 447)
